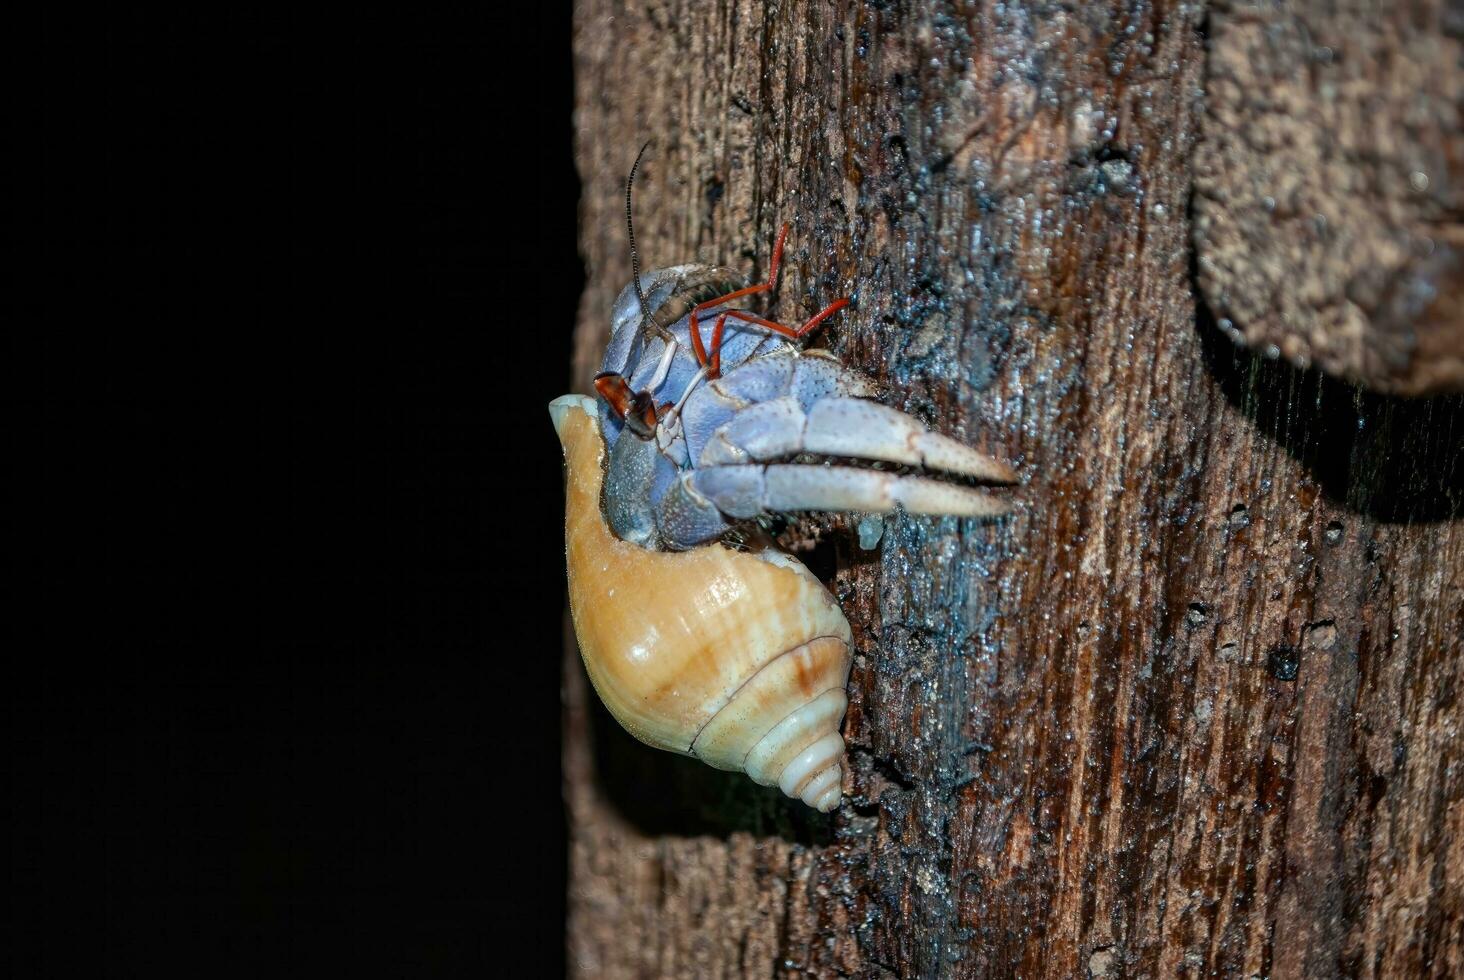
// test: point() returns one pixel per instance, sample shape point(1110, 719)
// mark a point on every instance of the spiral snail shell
point(739, 659)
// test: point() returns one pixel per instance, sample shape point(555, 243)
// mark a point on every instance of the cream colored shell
point(737, 658)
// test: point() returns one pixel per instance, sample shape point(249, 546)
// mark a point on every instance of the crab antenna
point(630, 233)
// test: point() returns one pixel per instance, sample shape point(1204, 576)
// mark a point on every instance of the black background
point(289, 495)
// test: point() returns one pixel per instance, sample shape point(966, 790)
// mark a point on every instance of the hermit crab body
point(703, 436)
point(709, 418)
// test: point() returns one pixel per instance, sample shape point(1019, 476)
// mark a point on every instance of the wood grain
point(1194, 709)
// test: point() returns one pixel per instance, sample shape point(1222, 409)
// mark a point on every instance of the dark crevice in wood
point(1391, 458)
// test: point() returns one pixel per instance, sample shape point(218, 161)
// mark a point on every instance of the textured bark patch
point(1329, 187)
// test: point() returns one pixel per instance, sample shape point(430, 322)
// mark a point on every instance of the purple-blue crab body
point(761, 437)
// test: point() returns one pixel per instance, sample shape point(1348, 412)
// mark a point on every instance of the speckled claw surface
point(748, 491)
point(839, 426)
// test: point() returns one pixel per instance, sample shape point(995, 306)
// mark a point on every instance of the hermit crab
point(699, 635)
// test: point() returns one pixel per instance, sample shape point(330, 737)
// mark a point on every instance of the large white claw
point(745, 491)
point(794, 487)
point(853, 427)
point(868, 430)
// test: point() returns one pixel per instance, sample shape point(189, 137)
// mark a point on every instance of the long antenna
point(630, 233)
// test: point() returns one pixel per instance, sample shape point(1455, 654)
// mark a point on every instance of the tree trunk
point(1193, 709)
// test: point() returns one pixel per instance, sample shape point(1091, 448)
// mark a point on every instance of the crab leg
point(711, 357)
point(793, 333)
point(762, 287)
point(671, 417)
point(664, 366)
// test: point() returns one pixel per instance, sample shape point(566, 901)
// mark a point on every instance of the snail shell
point(737, 658)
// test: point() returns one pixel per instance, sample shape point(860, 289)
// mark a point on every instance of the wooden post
point(1195, 708)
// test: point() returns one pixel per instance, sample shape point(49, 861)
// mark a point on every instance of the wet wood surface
point(1194, 708)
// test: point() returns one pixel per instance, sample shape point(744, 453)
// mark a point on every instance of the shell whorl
point(737, 658)
point(803, 754)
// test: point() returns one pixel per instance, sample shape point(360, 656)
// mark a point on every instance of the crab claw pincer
point(797, 432)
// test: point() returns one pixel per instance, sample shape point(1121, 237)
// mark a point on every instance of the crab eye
point(641, 417)
point(636, 409)
point(645, 406)
point(612, 387)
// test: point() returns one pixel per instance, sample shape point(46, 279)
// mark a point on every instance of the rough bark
point(1194, 708)
point(1329, 206)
